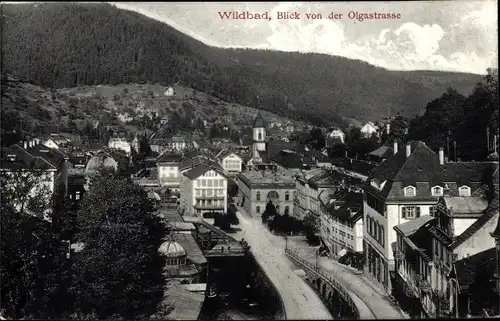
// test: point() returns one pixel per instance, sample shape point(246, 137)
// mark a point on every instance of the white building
point(203, 189)
point(337, 134)
point(404, 187)
point(125, 118)
point(120, 143)
point(341, 224)
point(26, 160)
point(169, 92)
point(259, 138)
point(231, 162)
point(168, 170)
point(369, 129)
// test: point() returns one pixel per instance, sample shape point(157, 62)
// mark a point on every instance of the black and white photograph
point(249, 160)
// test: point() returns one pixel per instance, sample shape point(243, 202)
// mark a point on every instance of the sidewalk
point(351, 279)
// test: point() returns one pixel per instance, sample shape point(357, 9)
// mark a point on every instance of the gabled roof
point(226, 152)
point(382, 152)
point(200, 170)
point(351, 206)
point(259, 121)
point(410, 227)
point(490, 213)
point(38, 156)
point(168, 157)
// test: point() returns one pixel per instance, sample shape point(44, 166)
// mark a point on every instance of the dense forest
point(465, 120)
point(65, 45)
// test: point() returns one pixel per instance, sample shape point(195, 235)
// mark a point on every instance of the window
point(287, 210)
point(376, 204)
point(258, 196)
point(410, 191)
point(209, 183)
point(198, 192)
point(411, 212)
point(203, 183)
point(432, 210)
point(277, 209)
point(287, 196)
point(437, 191)
point(259, 135)
point(464, 191)
point(77, 196)
point(257, 209)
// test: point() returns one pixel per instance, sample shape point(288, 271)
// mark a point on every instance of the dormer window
point(377, 184)
point(437, 191)
point(464, 191)
point(410, 191)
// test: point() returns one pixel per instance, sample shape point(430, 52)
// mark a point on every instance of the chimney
point(388, 128)
point(25, 143)
point(395, 147)
point(408, 149)
point(441, 156)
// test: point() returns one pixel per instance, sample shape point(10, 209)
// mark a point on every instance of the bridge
point(216, 243)
point(351, 306)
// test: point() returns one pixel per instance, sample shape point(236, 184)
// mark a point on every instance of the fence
point(326, 278)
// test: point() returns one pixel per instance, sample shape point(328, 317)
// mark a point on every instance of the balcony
point(209, 207)
point(399, 255)
point(214, 197)
point(423, 284)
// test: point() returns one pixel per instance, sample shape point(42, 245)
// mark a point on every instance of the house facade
point(337, 135)
point(341, 221)
point(257, 188)
point(404, 187)
point(369, 129)
point(203, 189)
point(231, 162)
point(121, 144)
point(45, 173)
point(168, 170)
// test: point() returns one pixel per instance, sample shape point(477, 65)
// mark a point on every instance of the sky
point(432, 35)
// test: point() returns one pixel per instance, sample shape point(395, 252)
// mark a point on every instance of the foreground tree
point(119, 272)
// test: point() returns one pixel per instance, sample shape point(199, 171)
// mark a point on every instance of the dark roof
point(197, 160)
point(226, 152)
point(382, 152)
point(410, 227)
point(185, 305)
point(423, 171)
point(349, 206)
point(38, 156)
point(288, 159)
point(201, 169)
point(76, 180)
point(464, 270)
point(193, 251)
point(421, 239)
point(167, 157)
point(259, 121)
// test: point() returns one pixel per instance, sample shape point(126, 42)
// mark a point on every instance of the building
point(309, 185)
point(380, 154)
point(135, 143)
point(102, 159)
point(257, 188)
point(76, 187)
point(46, 169)
point(428, 248)
point(168, 170)
point(169, 92)
point(404, 187)
point(121, 144)
point(231, 162)
point(341, 221)
point(335, 135)
point(259, 139)
point(175, 143)
point(369, 129)
point(203, 189)
point(289, 128)
point(125, 118)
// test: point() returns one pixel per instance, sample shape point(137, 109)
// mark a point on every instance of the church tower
point(259, 137)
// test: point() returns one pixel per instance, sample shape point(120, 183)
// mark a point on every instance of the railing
point(399, 255)
point(423, 284)
point(326, 278)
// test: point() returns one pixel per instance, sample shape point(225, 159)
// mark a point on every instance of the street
point(300, 301)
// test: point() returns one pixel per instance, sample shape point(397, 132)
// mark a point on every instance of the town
point(396, 232)
point(159, 164)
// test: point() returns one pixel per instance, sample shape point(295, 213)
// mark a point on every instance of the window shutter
point(403, 212)
point(418, 211)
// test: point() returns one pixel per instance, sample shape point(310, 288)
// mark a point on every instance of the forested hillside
point(65, 45)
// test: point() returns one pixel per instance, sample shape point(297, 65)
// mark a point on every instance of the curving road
point(300, 301)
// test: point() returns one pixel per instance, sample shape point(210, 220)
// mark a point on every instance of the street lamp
point(286, 242)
